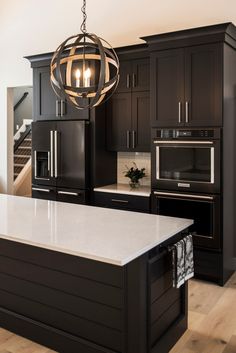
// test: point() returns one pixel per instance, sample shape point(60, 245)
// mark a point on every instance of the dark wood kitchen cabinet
point(128, 122)
point(134, 75)
point(128, 110)
point(186, 86)
point(47, 106)
point(122, 201)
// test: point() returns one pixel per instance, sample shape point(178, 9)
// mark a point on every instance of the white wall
point(31, 26)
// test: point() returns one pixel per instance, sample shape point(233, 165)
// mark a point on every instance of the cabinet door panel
point(119, 122)
point(68, 110)
point(141, 75)
point(141, 121)
point(203, 85)
point(167, 88)
point(44, 97)
point(125, 81)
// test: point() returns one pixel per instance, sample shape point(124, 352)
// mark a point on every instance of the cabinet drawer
point(72, 196)
point(43, 192)
point(122, 201)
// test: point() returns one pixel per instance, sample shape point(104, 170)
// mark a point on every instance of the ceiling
point(46, 23)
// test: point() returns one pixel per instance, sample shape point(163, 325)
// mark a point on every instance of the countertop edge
point(124, 192)
point(94, 257)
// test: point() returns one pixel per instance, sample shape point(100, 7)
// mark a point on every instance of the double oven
point(186, 170)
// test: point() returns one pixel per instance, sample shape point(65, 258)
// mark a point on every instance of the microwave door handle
point(56, 152)
point(157, 162)
point(184, 196)
point(35, 164)
point(181, 142)
point(212, 165)
point(51, 154)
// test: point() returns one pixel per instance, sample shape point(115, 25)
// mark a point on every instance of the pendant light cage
point(84, 69)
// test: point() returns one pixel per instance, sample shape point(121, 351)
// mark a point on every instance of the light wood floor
point(212, 323)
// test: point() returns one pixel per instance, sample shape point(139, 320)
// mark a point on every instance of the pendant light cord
point(83, 25)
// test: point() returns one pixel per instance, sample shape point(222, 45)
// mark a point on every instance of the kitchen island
point(91, 280)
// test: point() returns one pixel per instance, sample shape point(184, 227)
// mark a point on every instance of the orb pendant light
point(84, 69)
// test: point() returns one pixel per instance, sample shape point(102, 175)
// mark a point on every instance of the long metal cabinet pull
point(43, 190)
point(55, 153)
point(179, 112)
point(57, 108)
point(69, 193)
point(186, 116)
point(118, 200)
point(128, 139)
point(190, 196)
point(128, 81)
point(62, 108)
point(133, 80)
point(51, 154)
point(133, 139)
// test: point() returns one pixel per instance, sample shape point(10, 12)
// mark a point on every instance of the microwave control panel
point(187, 134)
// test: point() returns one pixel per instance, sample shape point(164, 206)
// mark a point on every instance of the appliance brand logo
point(183, 185)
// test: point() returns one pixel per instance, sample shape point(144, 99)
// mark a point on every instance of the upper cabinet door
point(203, 85)
point(167, 88)
point(141, 132)
point(141, 75)
point(46, 104)
point(119, 122)
point(125, 80)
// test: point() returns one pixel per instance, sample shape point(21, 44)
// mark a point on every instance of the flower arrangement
point(134, 174)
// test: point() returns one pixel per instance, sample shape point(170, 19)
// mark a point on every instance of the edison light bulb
point(77, 76)
point(87, 75)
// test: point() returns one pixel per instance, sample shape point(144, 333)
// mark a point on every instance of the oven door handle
point(175, 142)
point(189, 196)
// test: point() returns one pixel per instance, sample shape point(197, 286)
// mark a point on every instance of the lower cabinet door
point(72, 196)
point(43, 192)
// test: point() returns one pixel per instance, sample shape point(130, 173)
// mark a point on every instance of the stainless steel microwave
point(186, 160)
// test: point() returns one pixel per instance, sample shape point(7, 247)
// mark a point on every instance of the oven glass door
point(204, 210)
point(192, 162)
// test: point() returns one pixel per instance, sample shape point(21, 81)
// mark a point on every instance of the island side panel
point(68, 303)
point(168, 306)
point(156, 313)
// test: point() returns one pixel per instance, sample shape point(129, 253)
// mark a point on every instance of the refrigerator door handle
point(56, 153)
point(42, 190)
point(51, 154)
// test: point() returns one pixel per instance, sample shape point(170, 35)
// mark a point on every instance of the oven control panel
point(187, 133)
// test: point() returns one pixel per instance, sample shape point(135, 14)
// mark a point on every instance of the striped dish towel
point(182, 261)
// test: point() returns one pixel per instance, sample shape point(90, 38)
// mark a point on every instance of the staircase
point(22, 150)
point(22, 155)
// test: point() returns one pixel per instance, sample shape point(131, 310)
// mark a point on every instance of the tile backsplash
point(142, 160)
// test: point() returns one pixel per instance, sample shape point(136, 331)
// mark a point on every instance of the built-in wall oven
point(186, 160)
point(204, 209)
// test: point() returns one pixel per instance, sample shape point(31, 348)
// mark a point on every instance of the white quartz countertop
point(125, 189)
point(111, 236)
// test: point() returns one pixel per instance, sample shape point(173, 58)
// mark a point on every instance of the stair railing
point(21, 100)
point(22, 137)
